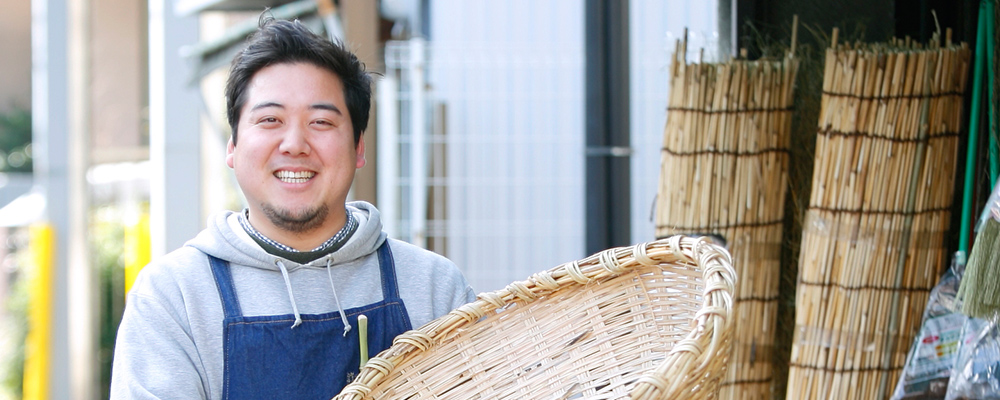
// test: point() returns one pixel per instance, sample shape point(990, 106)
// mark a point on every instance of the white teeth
point(294, 177)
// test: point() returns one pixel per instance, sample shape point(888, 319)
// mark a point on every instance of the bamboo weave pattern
point(644, 322)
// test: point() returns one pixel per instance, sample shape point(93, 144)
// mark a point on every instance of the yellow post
point(137, 249)
point(38, 343)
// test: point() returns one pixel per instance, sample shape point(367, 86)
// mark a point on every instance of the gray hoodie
point(169, 343)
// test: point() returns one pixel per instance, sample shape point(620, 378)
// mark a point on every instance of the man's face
point(295, 157)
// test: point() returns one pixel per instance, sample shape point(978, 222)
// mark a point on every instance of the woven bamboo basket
point(652, 321)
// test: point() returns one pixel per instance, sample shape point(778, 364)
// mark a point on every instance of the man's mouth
point(294, 177)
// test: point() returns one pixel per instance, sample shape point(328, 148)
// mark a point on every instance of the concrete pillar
point(174, 131)
point(60, 108)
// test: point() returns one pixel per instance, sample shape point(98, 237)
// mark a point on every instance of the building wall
point(15, 46)
point(361, 30)
point(506, 92)
point(118, 91)
point(654, 28)
point(118, 73)
point(508, 78)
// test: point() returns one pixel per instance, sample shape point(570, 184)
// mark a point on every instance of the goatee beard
point(303, 221)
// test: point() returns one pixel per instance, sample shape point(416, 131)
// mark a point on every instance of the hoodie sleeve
point(430, 284)
point(460, 290)
point(465, 296)
point(155, 356)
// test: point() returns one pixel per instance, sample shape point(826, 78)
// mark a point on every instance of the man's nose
point(295, 141)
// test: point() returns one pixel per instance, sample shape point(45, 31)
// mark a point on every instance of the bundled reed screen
point(724, 171)
point(872, 245)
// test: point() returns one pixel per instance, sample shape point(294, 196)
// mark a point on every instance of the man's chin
point(298, 221)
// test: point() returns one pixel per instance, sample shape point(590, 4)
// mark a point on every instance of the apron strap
point(224, 282)
point(387, 267)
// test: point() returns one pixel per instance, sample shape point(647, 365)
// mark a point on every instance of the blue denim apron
point(266, 359)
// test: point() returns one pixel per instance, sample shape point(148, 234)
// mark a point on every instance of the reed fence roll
point(724, 171)
point(873, 242)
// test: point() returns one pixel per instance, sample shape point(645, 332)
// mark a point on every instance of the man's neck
point(300, 241)
point(275, 247)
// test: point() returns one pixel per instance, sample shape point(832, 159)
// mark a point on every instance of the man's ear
point(360, 152)
point(230, 149)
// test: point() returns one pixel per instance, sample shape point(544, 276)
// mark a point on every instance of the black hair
point(280, 42)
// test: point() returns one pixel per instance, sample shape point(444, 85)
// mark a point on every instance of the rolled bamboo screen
point(872, 245)
point(724, 171)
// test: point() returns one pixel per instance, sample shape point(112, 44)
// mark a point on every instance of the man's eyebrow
point(317, 106)
point(327, 106)
point(266, 104)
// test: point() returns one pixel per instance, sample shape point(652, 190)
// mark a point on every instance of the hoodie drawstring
point(295, 308)
point(288, 286)
point(343, 316)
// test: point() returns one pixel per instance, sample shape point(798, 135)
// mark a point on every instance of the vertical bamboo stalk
point(724, 170)
point(881, 190)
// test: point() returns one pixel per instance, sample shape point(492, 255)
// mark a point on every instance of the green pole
point(987, 9)
point(970, 157)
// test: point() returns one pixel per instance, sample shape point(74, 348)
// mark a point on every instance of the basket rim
point(713, 321)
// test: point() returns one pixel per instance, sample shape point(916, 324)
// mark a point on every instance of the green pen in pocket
point(363, 338)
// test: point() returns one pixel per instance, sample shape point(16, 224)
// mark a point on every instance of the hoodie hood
point(225, 238)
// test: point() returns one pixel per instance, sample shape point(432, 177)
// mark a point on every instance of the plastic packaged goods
point(976, 374)
point(929, 362)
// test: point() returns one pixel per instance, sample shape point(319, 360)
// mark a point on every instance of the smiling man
point(263, 304)
point(297, 153)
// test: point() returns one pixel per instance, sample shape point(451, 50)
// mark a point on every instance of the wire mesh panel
point(511, 83)
point(654, 26)
point(503, 135)
point(500, 146)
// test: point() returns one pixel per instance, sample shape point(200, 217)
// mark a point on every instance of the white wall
point(654, 26)
point(510, 74)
